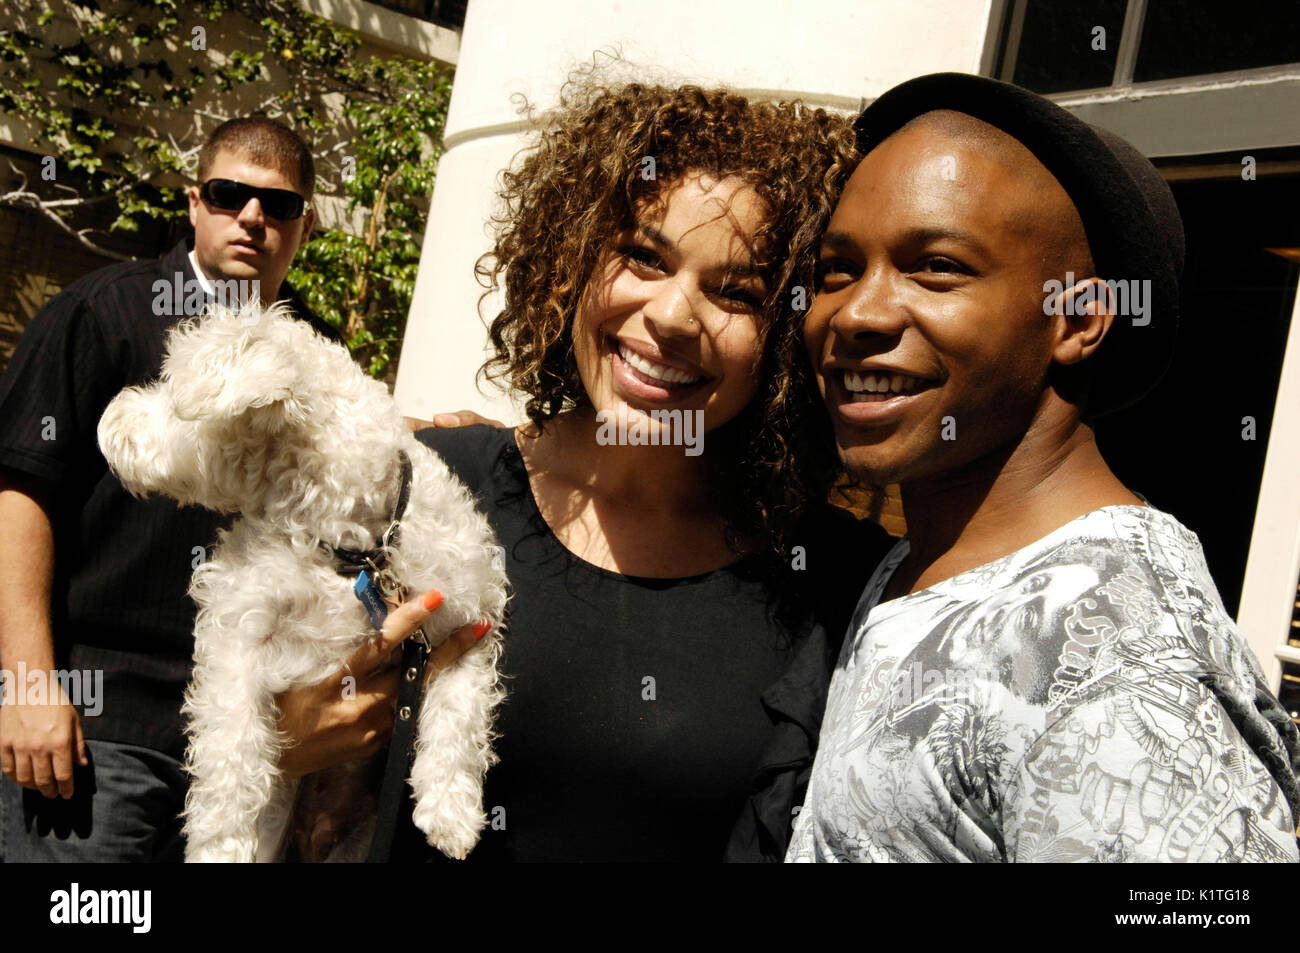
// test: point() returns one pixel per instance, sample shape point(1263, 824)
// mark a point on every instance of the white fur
point(257, 414)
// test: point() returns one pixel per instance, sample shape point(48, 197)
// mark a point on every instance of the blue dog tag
point(365, 591)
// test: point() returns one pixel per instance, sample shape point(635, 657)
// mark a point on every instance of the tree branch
point(30, 200)
point(69, 203)
point(22, 197)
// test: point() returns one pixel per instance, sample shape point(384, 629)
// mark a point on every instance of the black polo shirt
point(122, 565)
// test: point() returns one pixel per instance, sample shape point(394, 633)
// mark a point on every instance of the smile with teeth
point(660, 374)
point(875, 385)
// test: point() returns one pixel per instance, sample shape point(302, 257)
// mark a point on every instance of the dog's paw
point(457, 845)
point(454, 835)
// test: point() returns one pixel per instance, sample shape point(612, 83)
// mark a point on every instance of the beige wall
point(831, 52)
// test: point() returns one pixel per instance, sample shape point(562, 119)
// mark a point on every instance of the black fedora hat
point(1134, 230)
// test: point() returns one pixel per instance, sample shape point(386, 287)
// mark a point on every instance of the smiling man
point(90, 577)
point(1043, 669)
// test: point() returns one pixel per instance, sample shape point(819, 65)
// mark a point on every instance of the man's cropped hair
point(263, 142)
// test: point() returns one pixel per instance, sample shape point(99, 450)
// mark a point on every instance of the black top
point(122, 565)
point(640, 712)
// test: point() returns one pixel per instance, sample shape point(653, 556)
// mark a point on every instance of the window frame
point(1002, 47)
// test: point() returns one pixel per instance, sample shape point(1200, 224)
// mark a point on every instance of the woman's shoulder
point(833, 553)
point(832, 533)
point(470, 452)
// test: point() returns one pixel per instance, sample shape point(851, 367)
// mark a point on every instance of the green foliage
point(387, 171)
point(122, 92)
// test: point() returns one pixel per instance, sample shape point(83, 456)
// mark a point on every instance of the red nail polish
point(482, 628)
point(432, 599)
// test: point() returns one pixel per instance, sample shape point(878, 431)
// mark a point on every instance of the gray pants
point(125, 808)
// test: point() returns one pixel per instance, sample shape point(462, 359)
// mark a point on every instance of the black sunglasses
point(231, 196)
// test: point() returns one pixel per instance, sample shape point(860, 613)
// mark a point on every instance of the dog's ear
point(229, 363)
point(147, 448)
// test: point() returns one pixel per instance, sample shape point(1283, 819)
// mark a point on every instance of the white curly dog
point(256, 414)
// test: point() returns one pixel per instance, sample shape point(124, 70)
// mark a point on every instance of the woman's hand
point(350, 714)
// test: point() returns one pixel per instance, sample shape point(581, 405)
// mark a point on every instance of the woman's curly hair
point(583, 183)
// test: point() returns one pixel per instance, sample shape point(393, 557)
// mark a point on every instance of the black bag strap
point(415, 656)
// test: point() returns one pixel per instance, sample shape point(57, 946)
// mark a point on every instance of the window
point(1056, 48)
point(1053, 47)
point(1191, 37)
point(448, 13)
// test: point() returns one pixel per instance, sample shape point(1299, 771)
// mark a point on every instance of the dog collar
point(352, 561)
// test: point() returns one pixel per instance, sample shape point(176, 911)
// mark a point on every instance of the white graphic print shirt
point(1084, 699)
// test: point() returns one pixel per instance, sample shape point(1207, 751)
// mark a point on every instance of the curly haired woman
point(678, 580)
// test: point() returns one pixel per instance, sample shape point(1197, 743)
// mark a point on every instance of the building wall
point(832, 53)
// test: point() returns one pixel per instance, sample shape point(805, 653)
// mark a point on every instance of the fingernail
point(432, 599)
point(445, 420)
point(482, 628)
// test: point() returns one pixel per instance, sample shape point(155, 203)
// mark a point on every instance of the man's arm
point(38, 743)
point(461, 418)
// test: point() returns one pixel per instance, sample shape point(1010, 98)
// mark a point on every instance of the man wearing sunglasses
point(249, 220)
point(93, 581)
